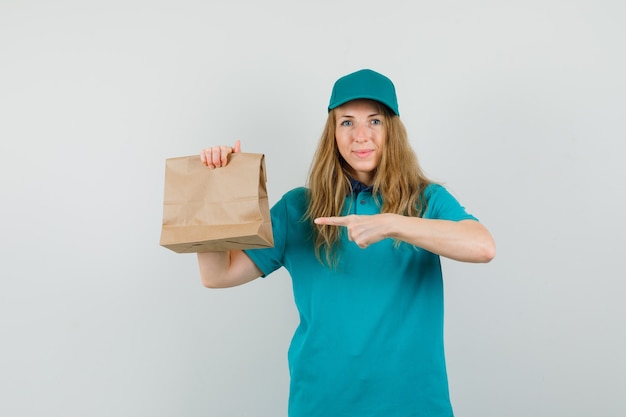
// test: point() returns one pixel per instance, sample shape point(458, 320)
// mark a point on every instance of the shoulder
point(441, 204)
point(295, 199)
point(296, 193)
point(290, 210)
point(435, 191)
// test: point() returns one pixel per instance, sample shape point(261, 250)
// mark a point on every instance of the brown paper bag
point(216, 209)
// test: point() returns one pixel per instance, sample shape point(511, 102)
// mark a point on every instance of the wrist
point(393, 225)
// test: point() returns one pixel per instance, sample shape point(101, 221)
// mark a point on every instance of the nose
point(360, 132)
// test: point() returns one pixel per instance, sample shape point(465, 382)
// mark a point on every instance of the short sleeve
point(444, 206)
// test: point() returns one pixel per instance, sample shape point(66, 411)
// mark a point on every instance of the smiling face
point(360, 137)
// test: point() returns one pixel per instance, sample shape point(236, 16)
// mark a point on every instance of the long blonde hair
point(399, 181)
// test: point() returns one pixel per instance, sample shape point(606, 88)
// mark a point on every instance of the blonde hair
point(399, 181)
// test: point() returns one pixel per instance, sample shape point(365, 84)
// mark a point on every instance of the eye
point(376, 122)
point(346, 123)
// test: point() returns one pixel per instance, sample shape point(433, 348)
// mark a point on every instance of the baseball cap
point(364, 83)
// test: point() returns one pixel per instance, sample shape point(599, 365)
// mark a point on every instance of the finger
point(331, 221)
point(237, 146)
point(216, 157)
point(206, 157)
point(224, 151)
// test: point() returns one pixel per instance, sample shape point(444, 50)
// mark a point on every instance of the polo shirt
point(370, 338)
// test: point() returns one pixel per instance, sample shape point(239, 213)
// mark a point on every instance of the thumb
point(237, 146)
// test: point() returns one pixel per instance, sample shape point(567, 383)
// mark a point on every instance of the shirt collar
point(358, 187)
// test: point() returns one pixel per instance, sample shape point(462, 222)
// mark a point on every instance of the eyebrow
point(351, 116)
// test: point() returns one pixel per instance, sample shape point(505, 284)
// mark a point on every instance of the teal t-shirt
point(370, 338)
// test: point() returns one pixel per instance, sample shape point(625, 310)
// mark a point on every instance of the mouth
point(363, 153)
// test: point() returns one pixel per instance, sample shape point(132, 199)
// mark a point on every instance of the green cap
point(367, 84)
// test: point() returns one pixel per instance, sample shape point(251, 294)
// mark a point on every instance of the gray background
point(517, 106)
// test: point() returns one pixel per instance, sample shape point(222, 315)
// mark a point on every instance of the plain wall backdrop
point(518, 107)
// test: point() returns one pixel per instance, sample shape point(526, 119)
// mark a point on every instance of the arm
point(465, 240)
point(226, 269)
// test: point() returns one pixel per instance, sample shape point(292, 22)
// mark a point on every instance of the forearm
point(213, 267)
point(466, 240)
point(226, 269)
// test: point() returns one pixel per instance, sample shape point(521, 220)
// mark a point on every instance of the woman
point(362, 245)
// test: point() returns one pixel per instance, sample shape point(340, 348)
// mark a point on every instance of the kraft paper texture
point(216, 209)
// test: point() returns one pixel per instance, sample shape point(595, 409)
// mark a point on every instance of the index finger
point(332, 221)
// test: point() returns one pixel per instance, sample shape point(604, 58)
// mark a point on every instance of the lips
point(363, 153)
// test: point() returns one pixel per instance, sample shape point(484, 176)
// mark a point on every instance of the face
point(360, 137)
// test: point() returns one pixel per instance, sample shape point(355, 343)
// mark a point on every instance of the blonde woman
point(362, 243)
